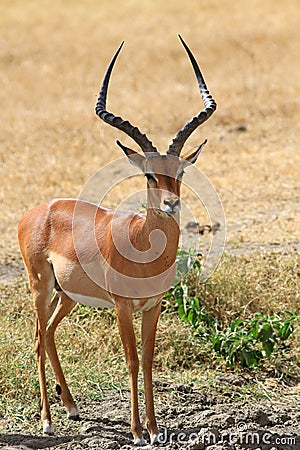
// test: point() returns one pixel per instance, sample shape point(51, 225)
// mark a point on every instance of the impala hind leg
point(149, 324)
point(124, 317)
point(41, 286)
point(61, 305)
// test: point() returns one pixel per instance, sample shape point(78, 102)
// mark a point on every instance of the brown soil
point(189, 419)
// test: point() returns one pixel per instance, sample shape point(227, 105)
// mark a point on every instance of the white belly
point(90, 301)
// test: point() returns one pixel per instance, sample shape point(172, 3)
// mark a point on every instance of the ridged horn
point(116, 121)
point(210, 105)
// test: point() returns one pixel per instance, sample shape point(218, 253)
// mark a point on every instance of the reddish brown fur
point(106, 258)
point(46, 237)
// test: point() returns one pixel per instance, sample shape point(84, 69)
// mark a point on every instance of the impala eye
point(151, 178)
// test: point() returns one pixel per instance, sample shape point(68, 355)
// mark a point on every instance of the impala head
point(163, 172)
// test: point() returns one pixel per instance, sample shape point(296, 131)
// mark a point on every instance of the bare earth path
point(191, 420)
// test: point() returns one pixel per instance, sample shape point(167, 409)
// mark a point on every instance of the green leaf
point(266, 333)
point(268, 347)
point(181, 312)
point(286, 330)
point(250, 357)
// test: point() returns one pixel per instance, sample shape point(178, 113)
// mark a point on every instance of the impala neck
point(162, 232)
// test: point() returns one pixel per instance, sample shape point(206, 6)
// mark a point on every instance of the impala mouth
point(167, 212)
point(171, 211)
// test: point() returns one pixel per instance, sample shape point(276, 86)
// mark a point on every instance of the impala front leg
point(41, 298)
point(149, 324)
point(124, 316)
point(40, 350)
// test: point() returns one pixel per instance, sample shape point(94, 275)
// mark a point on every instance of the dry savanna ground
point(53, 55)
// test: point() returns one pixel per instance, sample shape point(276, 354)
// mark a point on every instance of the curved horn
point(116, 121)
point(210, 105)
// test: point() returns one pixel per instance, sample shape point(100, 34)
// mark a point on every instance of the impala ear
point(194, 156)
point(135, 158)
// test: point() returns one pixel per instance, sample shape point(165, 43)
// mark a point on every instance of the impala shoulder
point(37, 215)
point(131, 215)
point(76, 205)
point(128, 220)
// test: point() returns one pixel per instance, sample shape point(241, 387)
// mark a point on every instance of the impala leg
point(62, 305)
point(41, 291)
point(149, 324)
point(124, 317)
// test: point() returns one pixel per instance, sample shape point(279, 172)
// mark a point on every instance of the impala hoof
point(48, 429)
point(73, 414)
point(155, 438)
point(140, 442)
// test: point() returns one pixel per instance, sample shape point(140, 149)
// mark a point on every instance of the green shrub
point(246, 341)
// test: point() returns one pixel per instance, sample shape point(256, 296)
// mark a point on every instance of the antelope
point(79, 252)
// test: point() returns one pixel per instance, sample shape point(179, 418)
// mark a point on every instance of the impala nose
point(172, 206)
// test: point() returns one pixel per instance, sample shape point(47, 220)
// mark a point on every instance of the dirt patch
point(10, 272)
point(11, 268)
point(189, 418)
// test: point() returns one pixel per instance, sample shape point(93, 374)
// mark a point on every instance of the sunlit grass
point(244, 285)
point(52, 141)
point(52, 60)
point(91, 352)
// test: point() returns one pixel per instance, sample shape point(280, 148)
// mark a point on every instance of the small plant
point(244, 342)
point(247, 342)
point(186, 261)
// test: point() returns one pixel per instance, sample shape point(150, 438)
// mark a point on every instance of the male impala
point(105, 258)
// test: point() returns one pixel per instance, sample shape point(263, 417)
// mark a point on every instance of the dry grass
point(52, 61)
point(243, 285)
point(93, 338)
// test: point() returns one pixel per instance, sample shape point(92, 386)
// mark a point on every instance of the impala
point(104, 258)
